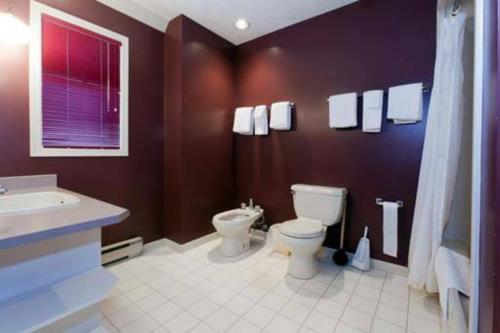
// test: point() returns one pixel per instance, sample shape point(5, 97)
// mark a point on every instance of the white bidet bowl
point(234, 226)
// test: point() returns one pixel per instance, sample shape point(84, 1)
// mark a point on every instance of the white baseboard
point(180, 247)
point(375, 263)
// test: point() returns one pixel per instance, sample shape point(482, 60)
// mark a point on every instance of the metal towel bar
point(380, 202)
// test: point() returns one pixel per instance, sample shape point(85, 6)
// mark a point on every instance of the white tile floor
point(200, 291)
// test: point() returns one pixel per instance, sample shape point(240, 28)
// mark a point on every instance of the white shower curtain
point(438, 170)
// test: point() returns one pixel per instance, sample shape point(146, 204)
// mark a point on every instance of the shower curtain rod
point(457, 6)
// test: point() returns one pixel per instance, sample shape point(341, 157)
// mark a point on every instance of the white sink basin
point(14, 203)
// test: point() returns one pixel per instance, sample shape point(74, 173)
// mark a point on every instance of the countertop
point(26, 227)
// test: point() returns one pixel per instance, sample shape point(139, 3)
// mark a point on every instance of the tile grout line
point(135, 272)
point(378, 303)
point(345, 306)
point(320, 297)
point(239, 294)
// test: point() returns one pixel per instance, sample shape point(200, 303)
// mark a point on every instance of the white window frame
point(36, 144)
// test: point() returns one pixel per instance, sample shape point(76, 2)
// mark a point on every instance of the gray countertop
point(26, 227)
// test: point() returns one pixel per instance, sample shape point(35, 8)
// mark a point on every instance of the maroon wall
point(133, 182)
point(489, 257)
point(198, 118)
point(366, 45)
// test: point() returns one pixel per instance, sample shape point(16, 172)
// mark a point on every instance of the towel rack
point(425, 88)
point(380, 202)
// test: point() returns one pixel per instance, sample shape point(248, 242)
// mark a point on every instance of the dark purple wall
point(489, 285)
point(133, 182)
point(198, 119)
point(366, 45)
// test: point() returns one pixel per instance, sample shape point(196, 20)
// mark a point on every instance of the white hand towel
point(261, 123)
point(343, 111)
point(406, 103)
point(281, 116)
point(390, 228)
point(243, 121)
point(372, 111)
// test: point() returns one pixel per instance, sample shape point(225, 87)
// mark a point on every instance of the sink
point(15, 203)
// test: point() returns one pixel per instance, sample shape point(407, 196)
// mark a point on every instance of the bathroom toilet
point(234, 227)
point(316, 207)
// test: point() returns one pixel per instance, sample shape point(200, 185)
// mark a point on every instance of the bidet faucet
point(3, 190)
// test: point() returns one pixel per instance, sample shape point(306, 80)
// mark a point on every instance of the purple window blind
point(80, 87)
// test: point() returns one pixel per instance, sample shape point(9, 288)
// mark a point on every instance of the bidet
point(234, 227)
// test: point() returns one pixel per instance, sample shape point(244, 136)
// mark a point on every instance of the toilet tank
point(321, 203)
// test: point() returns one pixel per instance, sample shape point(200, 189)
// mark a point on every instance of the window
point(78, 90)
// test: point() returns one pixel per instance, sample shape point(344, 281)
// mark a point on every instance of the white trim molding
point(138, 13)
point(476, 163)
point(374, 263)
point(262, 236)
point(36, 146)
point(180, 247)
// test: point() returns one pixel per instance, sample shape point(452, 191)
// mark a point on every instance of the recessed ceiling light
point(242, 24)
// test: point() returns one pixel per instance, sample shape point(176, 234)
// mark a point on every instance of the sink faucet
point(3, 190)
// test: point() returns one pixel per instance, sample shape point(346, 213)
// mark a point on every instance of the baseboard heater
point(122, 250)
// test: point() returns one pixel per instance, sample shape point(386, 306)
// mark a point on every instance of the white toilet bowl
point(317, 207)
point(234, 226)
point(304, 237)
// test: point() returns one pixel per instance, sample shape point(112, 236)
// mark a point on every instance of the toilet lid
point(302, 228)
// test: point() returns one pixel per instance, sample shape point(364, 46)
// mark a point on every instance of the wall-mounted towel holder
point(425, 88)
point(380, 202)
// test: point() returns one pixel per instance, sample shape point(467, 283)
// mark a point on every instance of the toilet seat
point(302, 228)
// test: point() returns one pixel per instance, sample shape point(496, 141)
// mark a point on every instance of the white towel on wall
point(343, 110)
point(406, 103)
point(373, 101)
point(243, 121)
point(390, 228)
point(281, 116)
point(261, 122)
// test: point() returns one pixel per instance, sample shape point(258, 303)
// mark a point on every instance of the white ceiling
point(219, 16)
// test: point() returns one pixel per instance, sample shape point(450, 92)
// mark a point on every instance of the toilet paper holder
point(380, 202)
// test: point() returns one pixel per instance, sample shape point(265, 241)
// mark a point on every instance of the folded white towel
point(281, 116)
point(261, 123)
point(452, 271)
point(406, 103)
point(372, 110)
point(390, 228)
point(243, 121)
point(343, 111)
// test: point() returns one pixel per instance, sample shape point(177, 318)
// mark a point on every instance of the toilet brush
point(361, 258)
point(340, 257)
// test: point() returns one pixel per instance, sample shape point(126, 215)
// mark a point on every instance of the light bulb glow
point(13, 30)
point(242, 24)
